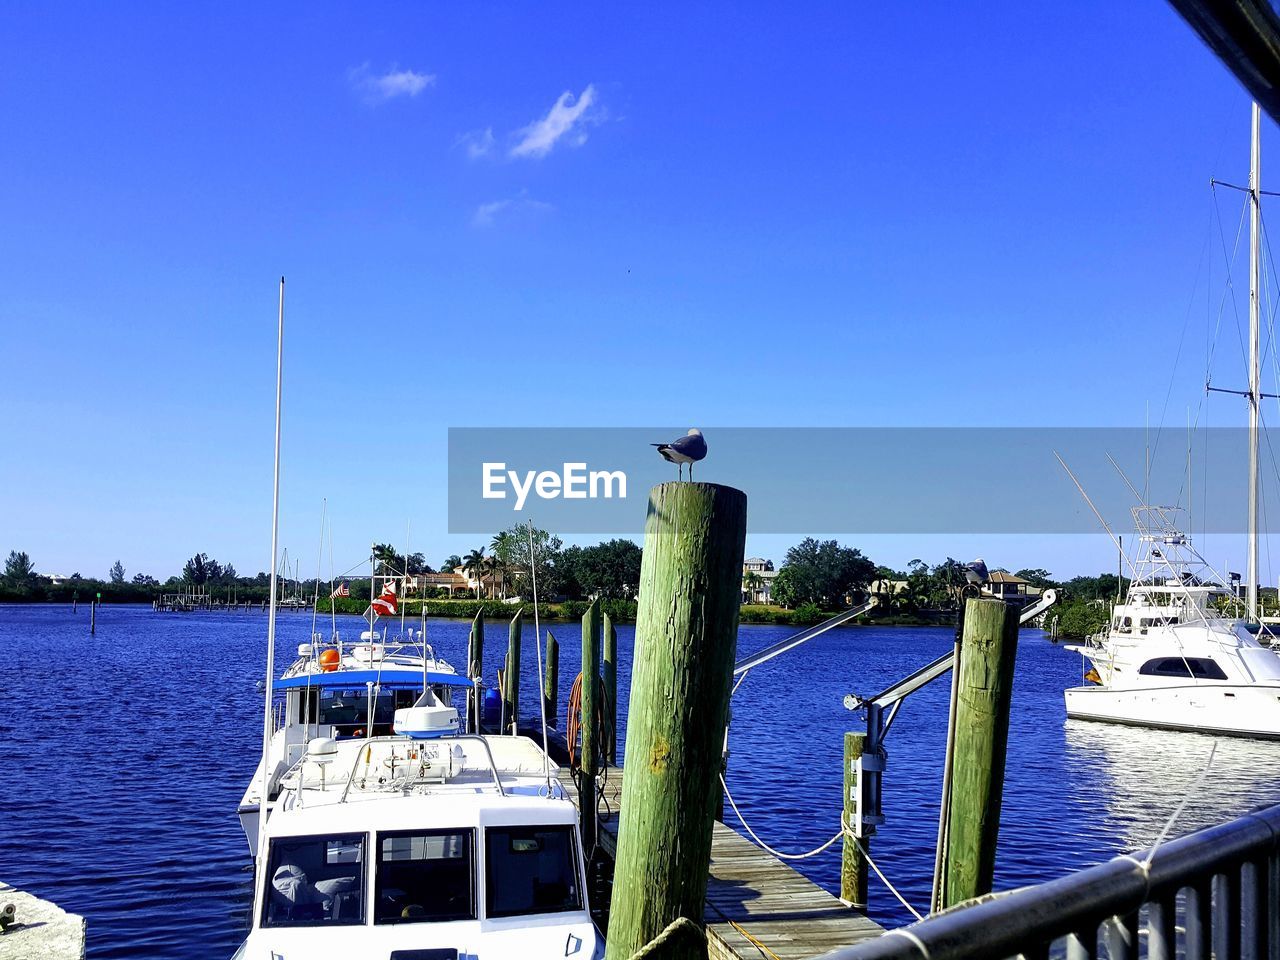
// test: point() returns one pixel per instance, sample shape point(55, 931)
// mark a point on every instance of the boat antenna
point(333, 607)
point(1105, 526)
point(404, 575)
point(315, 598)
point(1127, 482)
point(537, 641)
point(267, 724)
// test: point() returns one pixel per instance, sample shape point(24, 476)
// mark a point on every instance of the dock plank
point(751, 892)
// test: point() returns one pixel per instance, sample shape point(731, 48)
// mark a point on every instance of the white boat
point(412, 847)
point(1177, 653)
point(333, 688)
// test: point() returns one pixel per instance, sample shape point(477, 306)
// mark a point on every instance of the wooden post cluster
point(551, 680)
point(686, 636)
point(590, 712)
point(984, 689)
point(610, 686)
point(511, 688)
point(853, 866)
point(475, 670)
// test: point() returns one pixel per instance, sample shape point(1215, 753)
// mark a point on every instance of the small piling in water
point(93, 617)
point(511, 689)
point(686, 635)
point(551, 680)
point(609, 687)
point(983, 690)
point(590, 715)
point(853, 865)
point(475, 670)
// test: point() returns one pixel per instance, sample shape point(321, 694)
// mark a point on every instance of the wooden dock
point(757, 907)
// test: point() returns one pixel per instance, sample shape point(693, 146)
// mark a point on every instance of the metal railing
point(1211, 894)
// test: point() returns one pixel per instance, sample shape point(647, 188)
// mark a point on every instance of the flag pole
point(267, 724)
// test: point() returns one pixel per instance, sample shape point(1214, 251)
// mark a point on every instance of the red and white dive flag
point(342, 591)
point(385, 605)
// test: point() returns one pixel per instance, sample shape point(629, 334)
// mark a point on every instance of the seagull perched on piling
point(975, 572)
point(688, 449)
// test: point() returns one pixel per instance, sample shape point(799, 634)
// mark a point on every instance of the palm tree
point(473, 565)
point(501, 549)
point(751, 582)
point(492, 566)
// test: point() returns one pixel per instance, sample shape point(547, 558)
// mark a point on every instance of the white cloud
point(377, 88)
point(478, 143)
point(566, 117)
point(520, 206)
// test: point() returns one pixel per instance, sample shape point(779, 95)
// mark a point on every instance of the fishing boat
point(343, 691)
point(1177, 653)
point(422, 847)
point(378, 829)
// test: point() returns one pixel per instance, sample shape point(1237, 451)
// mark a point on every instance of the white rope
point(844, 831)
point(777, 853)
point(879, 873)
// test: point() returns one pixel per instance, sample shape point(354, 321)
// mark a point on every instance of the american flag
point(342, 591)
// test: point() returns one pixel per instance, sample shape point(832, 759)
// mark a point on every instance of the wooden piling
point(551, 680)
point(475, 670)
point(853, 865)
point(511, 689)
point(610, 691)
point(590, 715)
point(984, 688)
point(93, 617)
point(686, 635)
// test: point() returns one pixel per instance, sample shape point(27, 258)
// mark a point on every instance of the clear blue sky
point(942, 214)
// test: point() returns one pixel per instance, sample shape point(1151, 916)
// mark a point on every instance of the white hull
point(1230, 709)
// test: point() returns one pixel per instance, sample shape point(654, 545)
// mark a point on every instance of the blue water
point(124, 756)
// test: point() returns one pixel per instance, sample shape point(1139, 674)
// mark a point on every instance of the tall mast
point(1255, 361)
point(267, 724)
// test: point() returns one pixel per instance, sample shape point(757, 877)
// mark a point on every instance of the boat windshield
point(425, 875)
point(531, 870)
point(315, 881)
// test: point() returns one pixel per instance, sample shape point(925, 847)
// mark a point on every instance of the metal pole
point(267, 724)
point(1255, 363)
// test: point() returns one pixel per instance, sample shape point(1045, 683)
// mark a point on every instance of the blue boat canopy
point(387, 679)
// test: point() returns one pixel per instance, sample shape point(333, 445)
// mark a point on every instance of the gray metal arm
point(931, 671)
point(793, 641)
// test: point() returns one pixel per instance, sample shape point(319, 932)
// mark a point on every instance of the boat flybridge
point(409, 846)
point(1177, 652)
point(342, 691)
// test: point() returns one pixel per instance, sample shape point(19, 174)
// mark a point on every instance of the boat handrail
point(369, 741)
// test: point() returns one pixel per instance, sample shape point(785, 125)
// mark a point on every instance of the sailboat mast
point(1255, 360)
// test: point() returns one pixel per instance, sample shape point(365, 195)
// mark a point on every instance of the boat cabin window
point(425, 876)
point(1126, 625)
point(531, 870)
point(315, 881)
point(347, 709)
point(1201, 668)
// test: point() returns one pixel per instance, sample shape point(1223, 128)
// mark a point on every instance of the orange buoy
point(329, 660)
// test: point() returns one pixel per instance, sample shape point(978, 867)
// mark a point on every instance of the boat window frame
point(360, 837)
point(576, 867)
point(1190, 664)
point(473, 884)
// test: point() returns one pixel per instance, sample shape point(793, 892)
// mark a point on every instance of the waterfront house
point(1010, 588)
point(757, 580)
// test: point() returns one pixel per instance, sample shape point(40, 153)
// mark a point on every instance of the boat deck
point(751, 893)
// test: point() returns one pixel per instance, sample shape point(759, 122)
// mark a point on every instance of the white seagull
point(688, 449)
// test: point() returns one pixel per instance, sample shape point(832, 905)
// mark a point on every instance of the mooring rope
point(669, 931)
point(844, 831)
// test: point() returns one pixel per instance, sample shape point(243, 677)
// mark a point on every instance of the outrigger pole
point(267, 725)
